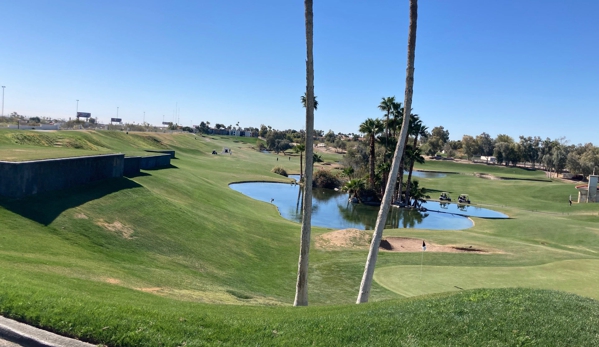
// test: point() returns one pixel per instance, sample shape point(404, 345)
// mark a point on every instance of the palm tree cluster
point(381, 135)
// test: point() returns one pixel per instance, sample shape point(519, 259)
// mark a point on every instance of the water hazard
point(331, 209)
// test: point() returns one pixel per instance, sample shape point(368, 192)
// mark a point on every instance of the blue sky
point(516, 67)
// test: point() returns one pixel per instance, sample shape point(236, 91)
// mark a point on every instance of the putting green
point(575, 276)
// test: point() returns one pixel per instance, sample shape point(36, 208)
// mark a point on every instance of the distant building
point(488, 159)
point(588, 193)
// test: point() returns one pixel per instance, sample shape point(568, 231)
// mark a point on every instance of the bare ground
point(360, 239)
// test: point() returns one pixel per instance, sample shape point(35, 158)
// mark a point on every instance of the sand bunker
point(486, 176)
point(404, 244)
point(116, 227)
point(360, 239)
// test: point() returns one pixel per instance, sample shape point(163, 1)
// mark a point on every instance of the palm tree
point(300, 148)
point(372, 128)
point(315, 102)
point(386, 106)
point(397, 117)
point(366, 283)
point(418, 129)
point(418, 194)
point(413, 155)
point(349, 172)
point(353, 188)
point(301, 288)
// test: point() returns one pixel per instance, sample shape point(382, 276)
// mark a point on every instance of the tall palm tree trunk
point(409, 184)
point(301, 289)
point(401, 170)
point(301, 166)
point(372, 154)
point(366, 283)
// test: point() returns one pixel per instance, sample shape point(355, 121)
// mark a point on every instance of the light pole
point(3, 100)
point(77, 109)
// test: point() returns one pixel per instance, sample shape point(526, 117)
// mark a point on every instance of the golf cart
point(463, 199)
point(445, 197)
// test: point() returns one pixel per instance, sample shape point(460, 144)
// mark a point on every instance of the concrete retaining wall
point(155, 161)
point(172, 153)
point(132, 166)
point(19, 179)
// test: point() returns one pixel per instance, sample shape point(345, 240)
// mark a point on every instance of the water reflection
point(426, 174)
point(463, 209)
point(331, 209)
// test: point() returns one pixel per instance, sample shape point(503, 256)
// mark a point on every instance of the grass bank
point(174, 256)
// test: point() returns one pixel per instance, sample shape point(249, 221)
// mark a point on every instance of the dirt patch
point(116, 227)
point(150, 290)
point(344, 238)
point(80, 216)
point(112, 281)
point(404, 244)
point(486, 176)
point(329, 150)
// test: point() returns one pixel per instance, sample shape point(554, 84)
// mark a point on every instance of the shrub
point(325, 179)
point(279, 170)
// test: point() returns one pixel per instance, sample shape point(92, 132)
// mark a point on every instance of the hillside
point(175, 255)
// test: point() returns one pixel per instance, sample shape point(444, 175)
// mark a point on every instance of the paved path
point(26, 335)
point(4, 343)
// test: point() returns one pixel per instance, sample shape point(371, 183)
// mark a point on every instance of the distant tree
point(263, 131)
point(529, 149)
point(303, 99)
point(330, 136)
point(504, 138)
point(485, 144)
point(354, 187)
point(372, 128)
point(436, 141)
point(470, 146)
point(203, 128)
point(349, 172)
point(340, 144)
point(282, 145)
point(325, 179)
point(386, 106)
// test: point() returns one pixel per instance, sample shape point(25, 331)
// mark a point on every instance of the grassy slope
point(194, 240)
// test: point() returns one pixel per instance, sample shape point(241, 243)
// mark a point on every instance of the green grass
point(175, 256)
point(576, 276)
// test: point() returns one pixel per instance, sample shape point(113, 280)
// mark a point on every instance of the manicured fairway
point(575, 276)
point(175, 257)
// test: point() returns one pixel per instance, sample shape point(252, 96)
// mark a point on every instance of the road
point(4, 343)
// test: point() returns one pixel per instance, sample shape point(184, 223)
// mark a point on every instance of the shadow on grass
point(138, 174)
point(170, 166)
point(525, 179)
point(44, 208)
point(438, 191)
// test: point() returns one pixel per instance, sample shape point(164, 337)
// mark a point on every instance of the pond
point(463, 209)
point(331, 209)
point(426, 174)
